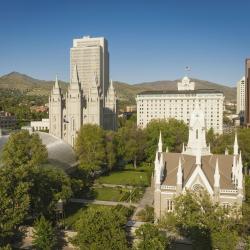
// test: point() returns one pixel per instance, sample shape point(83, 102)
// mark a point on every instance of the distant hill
point(125, 92)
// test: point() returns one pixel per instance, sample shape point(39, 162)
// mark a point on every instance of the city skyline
point(148, 41)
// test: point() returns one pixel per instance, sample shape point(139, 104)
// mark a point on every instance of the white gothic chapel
point(197, 168)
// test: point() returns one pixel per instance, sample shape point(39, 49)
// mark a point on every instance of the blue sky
point(148, 40)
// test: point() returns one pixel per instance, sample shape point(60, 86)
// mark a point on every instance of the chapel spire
point(217, 175)
point(236, 147)
point(160, 144)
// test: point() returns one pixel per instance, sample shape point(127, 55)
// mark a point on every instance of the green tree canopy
point(207, 224)
point(150, 238)
point(90, 148)
point(101, 228)
point(44, 237)
point(131, 143)
point(48, 186)
point(174, 133)
point(14, 203)
point(24, 149)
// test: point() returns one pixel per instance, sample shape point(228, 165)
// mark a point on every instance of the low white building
point(180, 103)
point(40, 125)
point(241, 96)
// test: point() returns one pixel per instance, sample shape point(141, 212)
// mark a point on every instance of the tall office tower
point(90, 98)
point(247, 104)
point(91, 56)
point(241, 96)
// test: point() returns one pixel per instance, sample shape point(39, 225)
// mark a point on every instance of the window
point(197, 134)
point(170, 206)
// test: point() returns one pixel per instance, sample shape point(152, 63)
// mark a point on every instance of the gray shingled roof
point(208, 166)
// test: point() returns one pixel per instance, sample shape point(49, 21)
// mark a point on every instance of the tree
point(110, 147)
point(131, 143)
point(23, 149)
point(101, 228)
point(150, 238)
point(44, 237)
point(90, 148)
point(207, 224)
point(49, 185)
point(14, 203)
point(174, 133)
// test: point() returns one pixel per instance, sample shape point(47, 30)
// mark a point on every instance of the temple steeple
point(160, 144)
point(217, 175)
point(179, 173)
point(236, 147)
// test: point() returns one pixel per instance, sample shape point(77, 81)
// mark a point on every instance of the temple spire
point(179, 173)
point(236, 147)
point(239, 173)
point(183, 148)
point(160, 144)
point(167, 149)
point(75, 78)
point(56, 83)
point(217, 175)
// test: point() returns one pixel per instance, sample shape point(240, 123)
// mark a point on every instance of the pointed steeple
point(234, 169)
point(56, 88)
point(236, 147)
point(160, 144)
point(179, 173)
point(75, 78)
point(156, 158)
point(167, 149)
point(209, 149)
point(239, 173)
point(217, 175)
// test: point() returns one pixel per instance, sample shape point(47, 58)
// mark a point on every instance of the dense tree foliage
point(131, 143)
point(90, 148)
point(23, 149)
point(150, 238)
point(101, 228)
point(207, 224)
point(44, 237)
point(174, 133)
point(48, 186)
point(14, 203)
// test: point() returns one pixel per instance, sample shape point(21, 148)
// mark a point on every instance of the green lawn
point(108, 194)
point(131, 178)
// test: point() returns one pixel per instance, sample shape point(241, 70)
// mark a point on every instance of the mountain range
point(125, 92)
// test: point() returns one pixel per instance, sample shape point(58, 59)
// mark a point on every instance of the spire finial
point(75, 78)
point(236, 147)
point(160, 143)
point(217, 174)
point(179, 173)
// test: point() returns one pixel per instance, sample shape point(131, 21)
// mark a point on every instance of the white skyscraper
point(241, 96)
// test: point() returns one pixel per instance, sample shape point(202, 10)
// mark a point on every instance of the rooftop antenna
point(187, 70)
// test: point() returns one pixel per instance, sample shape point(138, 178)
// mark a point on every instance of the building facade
point(180, 103)
point(7, 120)
point(196, 168)
point(247, 93)
point(42, 125)
point(90, 98)
point(241, 96)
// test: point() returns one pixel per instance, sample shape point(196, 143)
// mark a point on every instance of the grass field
point(108, 194)
point(131, 178)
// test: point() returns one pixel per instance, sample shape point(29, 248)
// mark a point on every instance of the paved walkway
point(147, 199)
point(113, 185)
point(107, 203)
